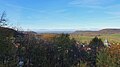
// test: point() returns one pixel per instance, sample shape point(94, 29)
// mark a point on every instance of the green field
point(109, 37)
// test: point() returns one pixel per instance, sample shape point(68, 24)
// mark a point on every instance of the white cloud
point(85, 2)
point(91, 3)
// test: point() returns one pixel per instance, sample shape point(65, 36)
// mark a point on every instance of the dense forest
point(25, 49)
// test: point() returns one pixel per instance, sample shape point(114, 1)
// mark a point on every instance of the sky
point(62, 14)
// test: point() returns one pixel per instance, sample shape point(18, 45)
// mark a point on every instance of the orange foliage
point(114, 50)
point(47, 36)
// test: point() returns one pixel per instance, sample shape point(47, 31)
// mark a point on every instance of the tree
point(3, 19)
point(6, 50)
point(96, 44)
point(66, 52)
point(109, 57)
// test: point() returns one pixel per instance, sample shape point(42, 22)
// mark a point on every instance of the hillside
point(8, 31)
point(110, 31)
point(100, 32)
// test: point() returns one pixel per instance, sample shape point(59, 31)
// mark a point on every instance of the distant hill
point(100, 32)
point(54, 32)
point(110, 31)
point(29, 32)
point(8, 31)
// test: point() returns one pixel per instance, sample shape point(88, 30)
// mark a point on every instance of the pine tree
point(96, 44)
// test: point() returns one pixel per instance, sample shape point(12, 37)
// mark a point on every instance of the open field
point(109, 37)
point(85, 39)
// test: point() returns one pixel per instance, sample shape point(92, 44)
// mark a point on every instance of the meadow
point(87, 39)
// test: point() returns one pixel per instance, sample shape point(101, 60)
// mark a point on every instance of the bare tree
point(3, 19)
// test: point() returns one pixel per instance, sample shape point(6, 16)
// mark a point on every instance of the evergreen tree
point(96, 44)
point(7, 51)
point(65, 51)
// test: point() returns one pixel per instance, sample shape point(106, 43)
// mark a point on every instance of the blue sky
point(62, 14)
